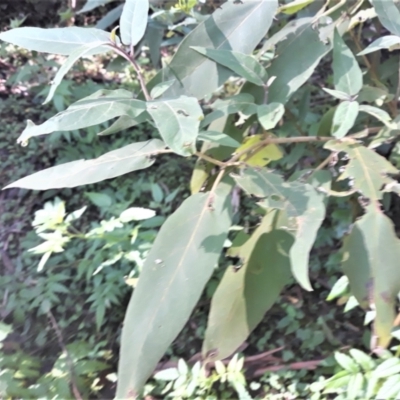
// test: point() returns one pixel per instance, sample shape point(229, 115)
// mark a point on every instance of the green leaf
point(338, 94)
point(159, 89)
point(370, 260)
point(298, 56)
point(57, 40)
point(109, 18)
point(344, 118)
point(384, 42)
point(390, 388)
point(304, 207)
point(371, 94)
point(281, 35)
point(347, 75)
point(133, 21)
point(92, 4)
point(218, 137)
point(243, 103)
point(270, 114)
point(83, 172)
point(67, 65)
point(337, 381)
point(346, 362)
point(136, 214)
point(388, 14)
point(245, 294)
point(366, 169)
point(379, 114)
point(169, 374)
point(355, 386)
point(95, 109)
point(388, 368)
point(237, 27)
point(172, 279)
point(124, 122)
point(294, 6)
point(101, 200)
point(364, 360)
point(325, 125)
point(339, 288)
point(154, 37)
point(244, 65)
point(178, 122)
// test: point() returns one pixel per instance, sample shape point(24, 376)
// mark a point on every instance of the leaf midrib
point(167, 286)
point(204, 58)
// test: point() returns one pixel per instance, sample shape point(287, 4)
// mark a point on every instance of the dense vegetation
point(236, 164)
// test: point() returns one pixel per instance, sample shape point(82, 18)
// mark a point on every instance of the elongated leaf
point(371, 94)
point(178, 122)
point(242, 102)
point(218, 137)
point(124, 122)
point(297, 57)
point(366, 169)
point(93, 4)
point(154, 37)
point(118, 162)
point(347, 74)
point(244, 65)
point(294, 6)
point(338, 94)
point(175, 272)
point(384, 42)
point(282, 34)
point(56, 40)
point(159, 89)
point(95, 109)
point(304, 207)
point(67, 65)
point(355, 386)
point(388, 14)
point(133, 21)
point(379, 114)
point(236, 26)
point(371, 261)
point(390, 388)
point(346, 362)
point(109, 19)
point(245, 294)
point(270, 114)
point(344, 118)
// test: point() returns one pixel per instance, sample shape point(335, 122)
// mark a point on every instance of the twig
point(273, 140)
point(323, 164)
point(57, 329)
point(331, 10)
point(312, 364)
point(135, 65)
point(216, 182)
point(210, 159)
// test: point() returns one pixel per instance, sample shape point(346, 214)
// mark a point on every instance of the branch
point(273, 140)
point(210, 159)
point(132, 60)
point(70, 363)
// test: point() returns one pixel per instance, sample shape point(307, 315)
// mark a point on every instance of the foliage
point(235, 102)
point(361, 376)
point(184, 382)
